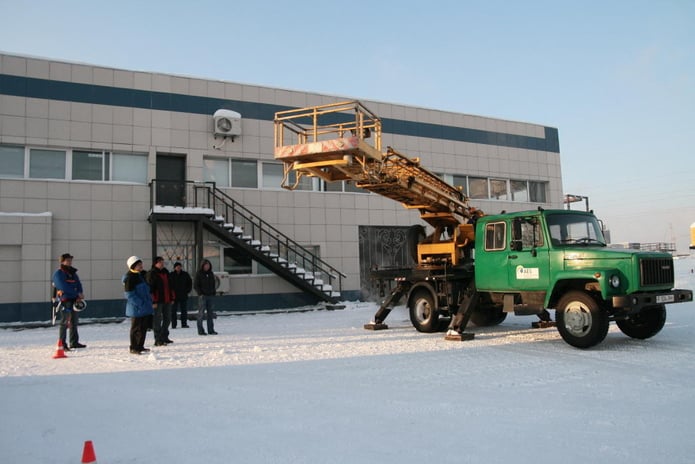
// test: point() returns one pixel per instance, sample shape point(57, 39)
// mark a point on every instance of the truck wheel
point(486, 317)
point(644, 325)
point(580, 320)
point(423, 313)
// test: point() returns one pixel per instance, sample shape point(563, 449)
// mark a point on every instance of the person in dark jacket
point(182, 285)
point(205, 286)
point(162, 298)
point(68, 289)
point(138, 304)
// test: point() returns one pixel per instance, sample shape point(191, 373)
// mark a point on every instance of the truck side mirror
point(516, 244)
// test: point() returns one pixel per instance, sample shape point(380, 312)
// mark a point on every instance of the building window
point(236, 262)
point(460, 182)
point(216, 170)
point(519, 190)
point(537, 191)
point(231, 172)
point(333, 186)
point(46, 164)
point(244, 173)
point(498, 189)
point(88, 165)
point(11, 161)
point(477, 186)
point(272, 175)
point(351, 187)
point(128, 167)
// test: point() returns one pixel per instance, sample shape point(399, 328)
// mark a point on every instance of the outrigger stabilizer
point(461, 315)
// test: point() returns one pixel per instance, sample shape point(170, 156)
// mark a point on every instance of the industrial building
point(107, 163)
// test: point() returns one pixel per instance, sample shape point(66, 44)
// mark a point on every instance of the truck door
point(491, 259)
point(527, 264)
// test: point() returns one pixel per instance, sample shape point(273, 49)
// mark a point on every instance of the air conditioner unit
point(227, 123)
point(222, 282)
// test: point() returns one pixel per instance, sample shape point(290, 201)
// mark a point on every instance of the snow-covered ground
point(315, 387)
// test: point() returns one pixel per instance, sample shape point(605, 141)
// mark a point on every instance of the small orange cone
point(60, 352)
point(88, 453)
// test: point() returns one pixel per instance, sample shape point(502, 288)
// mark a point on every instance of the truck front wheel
point(581, 321)
point(646, 324)
point(423, 313)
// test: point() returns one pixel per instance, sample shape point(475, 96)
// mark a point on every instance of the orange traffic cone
point(60, 352)
point(88, 455)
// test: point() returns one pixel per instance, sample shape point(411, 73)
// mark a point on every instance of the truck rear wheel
point(581, 321)
point(644, 325)
point(423, 312)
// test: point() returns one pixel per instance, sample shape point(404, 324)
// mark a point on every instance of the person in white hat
point(138, 305)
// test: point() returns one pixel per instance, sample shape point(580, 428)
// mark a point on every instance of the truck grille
point(656, 271)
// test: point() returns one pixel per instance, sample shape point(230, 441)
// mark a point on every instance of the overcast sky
point(617, 78)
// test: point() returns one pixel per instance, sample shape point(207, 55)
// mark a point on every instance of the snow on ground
point(315, 387)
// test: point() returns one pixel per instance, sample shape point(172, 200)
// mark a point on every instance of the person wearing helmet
point(68, 289)
point(138, 304)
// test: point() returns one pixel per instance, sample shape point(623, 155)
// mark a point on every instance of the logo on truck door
point(527, 273)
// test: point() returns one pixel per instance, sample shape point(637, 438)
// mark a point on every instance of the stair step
point(236, 230)
point(265, 249)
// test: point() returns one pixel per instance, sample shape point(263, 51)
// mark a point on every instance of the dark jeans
point(182, 306)
point(138, 332)
point(68, 320)
point(205, 304)
point(162, 318)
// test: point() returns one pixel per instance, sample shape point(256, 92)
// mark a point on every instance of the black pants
point(138, 332)
point(162, 318)
point(182, 306)
point(68, 320)
point(205, 306)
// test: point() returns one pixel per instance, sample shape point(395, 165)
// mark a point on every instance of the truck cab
point(558, 259)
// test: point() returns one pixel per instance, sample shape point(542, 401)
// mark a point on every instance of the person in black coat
point(162, 298)
point(181, 284)
point(205, 286)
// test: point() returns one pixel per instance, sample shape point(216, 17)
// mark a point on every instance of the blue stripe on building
point(31, 87)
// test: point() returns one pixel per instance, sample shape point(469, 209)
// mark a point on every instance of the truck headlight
point(615, 281)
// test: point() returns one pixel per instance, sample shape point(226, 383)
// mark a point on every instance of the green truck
point(528, 262)
point(474, 267)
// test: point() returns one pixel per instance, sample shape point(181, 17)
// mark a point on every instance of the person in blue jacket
point(138, 304)
point(68, 289)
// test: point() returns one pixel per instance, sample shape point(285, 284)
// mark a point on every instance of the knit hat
point(132, 261)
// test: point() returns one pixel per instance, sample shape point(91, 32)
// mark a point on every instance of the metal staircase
point(232, 223)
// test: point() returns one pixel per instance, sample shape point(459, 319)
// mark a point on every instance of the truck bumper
point(635, 302)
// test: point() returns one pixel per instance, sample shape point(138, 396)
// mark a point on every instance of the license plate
point(665, 299)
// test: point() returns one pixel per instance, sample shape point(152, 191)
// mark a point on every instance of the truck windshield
point(574, 230)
